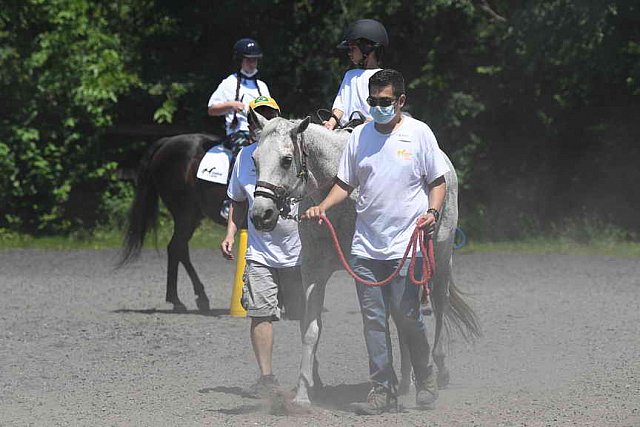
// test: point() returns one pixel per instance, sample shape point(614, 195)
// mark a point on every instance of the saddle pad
point(214, 166)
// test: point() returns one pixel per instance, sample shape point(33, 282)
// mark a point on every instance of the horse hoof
point(179, 307)
point(203, 304)
point(301, 402)
point(443, 378)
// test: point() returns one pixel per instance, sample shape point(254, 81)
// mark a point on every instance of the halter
point(279, 194)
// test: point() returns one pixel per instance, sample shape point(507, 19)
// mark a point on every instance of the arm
point(332, 122)
point(237, 216)
point(437, 193)
point(337, 109)
point(222, 108)
point(339, 192)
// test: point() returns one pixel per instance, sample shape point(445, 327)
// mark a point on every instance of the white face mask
point(250, 73)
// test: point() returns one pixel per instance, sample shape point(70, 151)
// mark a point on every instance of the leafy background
point(536, 102)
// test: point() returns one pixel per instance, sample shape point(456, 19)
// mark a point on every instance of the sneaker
point(224, 212)
point(379, 400)
point(264, 387)
point(427, 391)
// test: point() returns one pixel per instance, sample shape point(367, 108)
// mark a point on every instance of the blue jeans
point(400, 299)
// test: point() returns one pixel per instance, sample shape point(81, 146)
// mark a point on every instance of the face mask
point(382, 115)
point(251, 74)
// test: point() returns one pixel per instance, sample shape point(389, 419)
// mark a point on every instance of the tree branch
point(485, 7)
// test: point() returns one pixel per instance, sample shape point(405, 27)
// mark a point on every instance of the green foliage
point(536, 102)
point(173, 92)
point(115, 203)
point(62, 70)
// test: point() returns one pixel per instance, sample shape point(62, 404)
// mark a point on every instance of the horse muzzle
point(264, 214)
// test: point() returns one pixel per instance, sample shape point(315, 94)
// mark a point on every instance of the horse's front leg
point(310, 329)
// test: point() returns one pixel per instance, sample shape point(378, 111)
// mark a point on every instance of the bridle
point(281, 195)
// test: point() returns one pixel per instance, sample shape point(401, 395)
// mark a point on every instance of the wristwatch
point(435, 213)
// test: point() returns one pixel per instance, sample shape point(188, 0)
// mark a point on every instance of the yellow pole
point(236, 309)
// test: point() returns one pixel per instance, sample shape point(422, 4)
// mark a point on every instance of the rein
point(417, 238)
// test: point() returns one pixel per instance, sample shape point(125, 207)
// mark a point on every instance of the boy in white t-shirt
point(396, 164)
point(272, 274)
point(365, 41)
point(233, 95)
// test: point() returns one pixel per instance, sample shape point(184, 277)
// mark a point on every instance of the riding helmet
point(247, 48)
point(368, 29)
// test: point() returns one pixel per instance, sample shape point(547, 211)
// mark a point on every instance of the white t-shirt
point(226, 91)
point(392, 172)
point(353, 93)
point(279, 247)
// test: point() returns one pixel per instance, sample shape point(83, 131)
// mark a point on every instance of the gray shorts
point(271, 292)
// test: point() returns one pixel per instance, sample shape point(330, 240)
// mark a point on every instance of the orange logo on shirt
point(404, 154)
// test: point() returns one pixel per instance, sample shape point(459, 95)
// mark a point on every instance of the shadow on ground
point(214, 312)
point(237, 391)
point(342, 395)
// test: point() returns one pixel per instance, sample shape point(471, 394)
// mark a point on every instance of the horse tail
point(143, 214)
point(460, 316)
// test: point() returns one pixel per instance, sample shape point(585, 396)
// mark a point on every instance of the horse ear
point(256, 119)
point(303, 125)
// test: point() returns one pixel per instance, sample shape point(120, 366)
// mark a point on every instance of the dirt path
point(81, 344)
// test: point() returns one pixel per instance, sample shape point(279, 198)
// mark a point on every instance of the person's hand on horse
point(226, 247)
point(329, 124)
point(427, 223)
point(313, 213)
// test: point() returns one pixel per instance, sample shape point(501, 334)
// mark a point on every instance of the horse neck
point(324, 148)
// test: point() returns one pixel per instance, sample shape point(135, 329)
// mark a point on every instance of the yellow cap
point(264, 101)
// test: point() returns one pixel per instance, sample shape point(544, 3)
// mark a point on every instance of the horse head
point(281, 170)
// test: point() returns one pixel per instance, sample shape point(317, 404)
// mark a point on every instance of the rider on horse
point(233, 95)
point(365, 41)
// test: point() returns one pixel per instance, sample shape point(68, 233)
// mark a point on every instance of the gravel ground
point(82, 344)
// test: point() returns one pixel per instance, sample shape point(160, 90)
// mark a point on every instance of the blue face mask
point(382, 115)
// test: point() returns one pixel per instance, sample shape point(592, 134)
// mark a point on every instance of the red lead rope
point(417, 238)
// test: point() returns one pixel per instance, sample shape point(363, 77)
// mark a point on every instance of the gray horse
point(298, 161)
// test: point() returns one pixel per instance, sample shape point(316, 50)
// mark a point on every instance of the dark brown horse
point(168, 171)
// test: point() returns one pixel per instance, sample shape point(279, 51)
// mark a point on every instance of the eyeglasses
point(382, 102)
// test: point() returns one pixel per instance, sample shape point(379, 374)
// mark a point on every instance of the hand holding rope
point(417, 238)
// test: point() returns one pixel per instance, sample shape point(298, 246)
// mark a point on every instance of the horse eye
point(286, 161)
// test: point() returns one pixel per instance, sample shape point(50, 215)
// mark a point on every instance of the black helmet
point(368, 29)
point(247, 48)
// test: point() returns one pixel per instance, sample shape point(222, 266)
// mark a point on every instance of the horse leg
point(310, 329)
point(178, 251)
point(172, 272)
point(202, 301)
